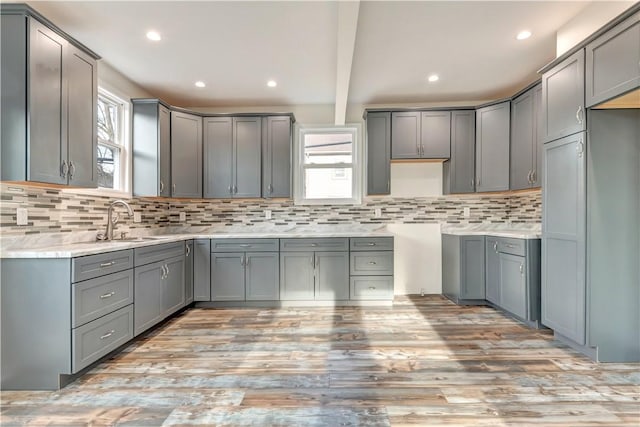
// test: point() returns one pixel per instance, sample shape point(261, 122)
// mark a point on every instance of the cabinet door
point(405, 135)
point(276, 157)
point(435, 141)
point(378, 153)
point(536, 176)
point(82, 101)
point(218, 157)
point(564, 237)
point(459, 172)
point(188, 272)
point(164, 150)
point(262, 274)
point(613, 62)
point(296, 276)
point(472, 268)
point(522, 140)
point(332, 276)
point(173, 286)
point(492, 147)
point(186, 155)
point(227, 276)
point(513, 284)
point(492, 273)
point(47, 105)
point(563, 98)
point(147, 296)
point(202, 270)
point(246, 165)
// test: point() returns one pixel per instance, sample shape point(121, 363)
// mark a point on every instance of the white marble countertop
point(85, 243)
point(514, 231)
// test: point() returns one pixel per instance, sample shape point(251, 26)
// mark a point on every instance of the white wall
point(117, 83)
point(585, 23)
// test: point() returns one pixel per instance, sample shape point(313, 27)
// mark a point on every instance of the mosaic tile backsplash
point(52, 210)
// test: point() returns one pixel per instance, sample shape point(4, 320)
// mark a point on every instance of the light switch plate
point(137, 217)
point(466, 212)
point(377, 212)
point(183, 216)
point(22, 216)
point(267, 214)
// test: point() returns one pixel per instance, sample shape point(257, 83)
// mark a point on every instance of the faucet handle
point(115, 218)
point(101, 236)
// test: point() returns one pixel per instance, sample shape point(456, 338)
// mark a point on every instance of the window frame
point(356, 164)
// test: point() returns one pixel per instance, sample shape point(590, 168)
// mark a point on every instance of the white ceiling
point(235, 47)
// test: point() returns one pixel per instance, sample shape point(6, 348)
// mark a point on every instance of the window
point(112, 141)
point(329, 166)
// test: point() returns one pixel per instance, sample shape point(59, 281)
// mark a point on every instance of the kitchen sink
point(128, 240)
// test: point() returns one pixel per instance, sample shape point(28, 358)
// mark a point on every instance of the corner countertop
point(85, 244)
point(514, 231)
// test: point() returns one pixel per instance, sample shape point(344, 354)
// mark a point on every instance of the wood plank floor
point(423, 362)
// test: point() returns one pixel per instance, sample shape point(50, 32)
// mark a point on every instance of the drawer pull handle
point(510, 246)
point(372, 288)
point(372, 263)
point(107, 264)
point(245, 245)
point(107, 295)
point(108, 334)
point(371, 244)
point(314, 244)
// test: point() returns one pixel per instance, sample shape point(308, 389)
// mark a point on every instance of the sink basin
point(128, 240)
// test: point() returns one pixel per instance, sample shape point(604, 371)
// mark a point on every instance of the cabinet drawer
point(371, 243)
point(372, 263)
point(244, 245)
point(96, 297)
point(95, 339)
point(320, 244)
point(372, 288)
point(88, 267)
point(149, 254)
point(511, 246)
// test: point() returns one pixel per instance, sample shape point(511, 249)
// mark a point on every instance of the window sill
point(315, 202)
point(104, 192)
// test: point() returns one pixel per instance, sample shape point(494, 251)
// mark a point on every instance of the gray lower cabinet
point(151, 148)
point(159, 283)
point(378, 153)
point(564, 237)
point(232, 156)
point(371, 268)
point(188, 271)
point(492, 270)
point(202, 270)
point(613, 62)
point(297, 274)
point(463, 268)
point(563, 111)
point(245, 270)
point(332, 276)
point(526, 141)
point(492, 147)
point(513, 285)
point(186, 155)
point(459, 171)
point(49, 102)
point(276, 156)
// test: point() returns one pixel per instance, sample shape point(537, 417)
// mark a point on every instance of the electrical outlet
point(267, 214)
point(137, 217)
point(22, 216)
point(466, 212)
point(377, 212)
point(183, 216)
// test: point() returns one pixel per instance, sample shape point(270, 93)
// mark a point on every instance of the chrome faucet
point(112, 221)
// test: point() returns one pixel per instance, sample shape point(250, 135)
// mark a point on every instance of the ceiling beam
point(347, 28)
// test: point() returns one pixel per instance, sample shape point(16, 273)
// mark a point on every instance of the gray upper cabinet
point(378, 153)
point(564, 237)
point(613, 62)
point(151, 148)
point(563, 111)
point(276, 156)
point(526, 144)
point(48, 114)
point(232, 148)
point(186, 155)
point(405, 135)
point(492, 147)
point(459, 171)
point(435, 140)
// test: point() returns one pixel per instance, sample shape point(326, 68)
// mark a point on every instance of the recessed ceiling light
point(272, 83)
point(154, 35)
point(523, 35)
point(200, 83)
point(433, 78)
